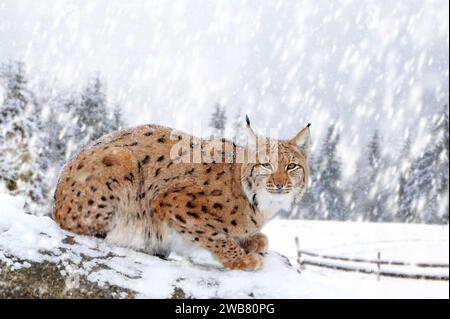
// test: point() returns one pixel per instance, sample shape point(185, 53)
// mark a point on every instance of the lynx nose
point(279, 186)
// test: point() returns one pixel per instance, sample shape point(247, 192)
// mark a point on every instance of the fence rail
point(375, 261)
point(326, 261)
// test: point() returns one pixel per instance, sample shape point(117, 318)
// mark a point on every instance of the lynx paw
point(250, 261)
point(257, 243)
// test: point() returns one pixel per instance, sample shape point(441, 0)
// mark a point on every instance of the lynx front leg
point(257, 243)
point(225, 249)
point(232, 256)
point(189, 215)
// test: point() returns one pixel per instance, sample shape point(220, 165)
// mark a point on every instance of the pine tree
point(72, 128)
point(20, 144)
point(117, 122)
point(308, 207)
point(426, 187)
point(218, 120)
point(328, 184)
point(404, 210)
point(378, 191)
point(441, 135)
point(92, 112)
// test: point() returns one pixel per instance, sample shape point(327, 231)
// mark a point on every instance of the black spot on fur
point(193, 214)
point(225, 230)
point(103, 198)
point(93, 189)
point(90, 202)
point(219, 175)
point(191, 195)
point(146, 159)
point(233, 222)
point(78, 194)
point(181, 219)
point(80, 166)
point(107, 162)
point(170, 164)
point(216, 192)
point(190, 205)
point(160, 158)
point(254, 200)
point(101, 206)
point(148, 133)
point(218, 206)
point(190, 171)
point(204, 209)
point(132, 144)
point(208, 170)
point(253, 221)
point(129, 177)
point(161, 140)
point(157, 172)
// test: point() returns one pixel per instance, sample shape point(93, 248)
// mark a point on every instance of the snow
point(26, 238)
point(400, 242)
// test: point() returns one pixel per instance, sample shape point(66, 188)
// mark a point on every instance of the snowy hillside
point(27, 241)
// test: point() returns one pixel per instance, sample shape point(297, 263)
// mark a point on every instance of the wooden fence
point(306, 258)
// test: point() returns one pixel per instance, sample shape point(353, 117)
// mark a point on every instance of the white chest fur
point(270, 204)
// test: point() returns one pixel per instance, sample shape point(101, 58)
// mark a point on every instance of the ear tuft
point(251, 136)
point(302, 140)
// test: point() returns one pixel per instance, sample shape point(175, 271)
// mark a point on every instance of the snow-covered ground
point(25, 239)
point(399, 242)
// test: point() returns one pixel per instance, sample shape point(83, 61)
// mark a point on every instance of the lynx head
point(276, 176)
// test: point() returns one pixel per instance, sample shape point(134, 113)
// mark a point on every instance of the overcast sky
point(373, 64)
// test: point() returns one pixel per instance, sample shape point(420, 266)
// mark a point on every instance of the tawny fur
point(127, 188)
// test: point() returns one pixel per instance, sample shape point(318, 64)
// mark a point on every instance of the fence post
point(299, 253)
point(378, 265)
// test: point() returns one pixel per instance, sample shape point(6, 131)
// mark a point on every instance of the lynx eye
point(267, 166)
point(292, 166)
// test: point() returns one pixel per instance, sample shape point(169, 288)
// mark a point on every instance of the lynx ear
point(251, 136)
point(302, 140)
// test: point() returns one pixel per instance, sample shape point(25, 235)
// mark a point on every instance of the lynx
point(132, 188)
